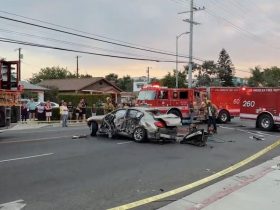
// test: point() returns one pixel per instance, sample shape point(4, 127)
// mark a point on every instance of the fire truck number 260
point(248, 103)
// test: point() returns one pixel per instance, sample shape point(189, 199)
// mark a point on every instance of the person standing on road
point(108, 107)
point(84, 108)
point(24, 112)
point(48, 108)
point(40, 111)
point(31, 106)
point(64, 111)
point(70, 110)
point(211, 112)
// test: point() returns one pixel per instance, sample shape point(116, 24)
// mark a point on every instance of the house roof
point(74, 84)
point(29, 86)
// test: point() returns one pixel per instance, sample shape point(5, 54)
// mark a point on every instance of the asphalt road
point(48, 169)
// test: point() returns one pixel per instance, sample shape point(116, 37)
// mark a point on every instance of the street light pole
point(177, 37)
point(190, 46)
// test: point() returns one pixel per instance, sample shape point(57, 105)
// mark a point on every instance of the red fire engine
point(9, 90)
point(227, 100)
point(179, 101)
point(261, 105)
point(167, 100)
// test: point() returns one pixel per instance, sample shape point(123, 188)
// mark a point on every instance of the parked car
point(139, 123)
point(53, 104)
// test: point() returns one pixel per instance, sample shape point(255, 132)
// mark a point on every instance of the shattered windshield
point(147, 95)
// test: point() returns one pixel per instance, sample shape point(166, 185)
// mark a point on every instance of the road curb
point(199, 182)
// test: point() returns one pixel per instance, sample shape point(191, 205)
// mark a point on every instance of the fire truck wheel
point(94, 128)
point(265, 122)
point(223, 116)
point(175, 112)
point(139, 134)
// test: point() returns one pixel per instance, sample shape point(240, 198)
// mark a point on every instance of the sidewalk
point(36, 124)
point(255, 189)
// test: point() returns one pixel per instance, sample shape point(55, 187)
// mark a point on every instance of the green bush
point(56, 114)
point(95, 99)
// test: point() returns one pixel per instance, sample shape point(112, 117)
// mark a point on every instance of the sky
point(249, 30)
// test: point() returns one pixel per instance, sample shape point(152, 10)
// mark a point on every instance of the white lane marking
point(126, 142)
point(257, 133)
point(71, 128)
point(31, 140)
point(14, 205)
point(22, 158)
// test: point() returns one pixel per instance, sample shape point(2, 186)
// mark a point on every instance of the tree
point(85, 76)
point(169, 80)
point(206, 73)
point(112, 78)
point(125, 83)
point(51, 73)
point(257, 78)
point(225, 69)
point(271, 77)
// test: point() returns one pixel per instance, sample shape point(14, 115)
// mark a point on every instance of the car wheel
point(175, 112)
point(94, 128)
point(139, 134)
point(223, 116)
point(265, 122)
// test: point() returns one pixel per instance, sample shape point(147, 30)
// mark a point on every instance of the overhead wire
point(71, 43)
point(3, 39)
point(84, 32)
point(95, 39)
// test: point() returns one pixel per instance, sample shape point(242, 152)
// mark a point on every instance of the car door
point(119, 119)
point(132, 120)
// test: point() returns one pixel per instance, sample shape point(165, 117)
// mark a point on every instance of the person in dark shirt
point(70, 110)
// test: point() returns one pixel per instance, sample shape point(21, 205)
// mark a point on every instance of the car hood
point(169, 119)
point(98, 118)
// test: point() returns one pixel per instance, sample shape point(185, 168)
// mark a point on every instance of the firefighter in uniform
point(211, 113)
point(108, 107)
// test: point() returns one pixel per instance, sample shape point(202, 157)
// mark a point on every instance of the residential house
point(94, 85)
point(32, 91)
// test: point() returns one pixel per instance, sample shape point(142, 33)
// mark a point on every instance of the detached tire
point(223, 117)
point(94, 128)
point(139, 135)
point(265, 122)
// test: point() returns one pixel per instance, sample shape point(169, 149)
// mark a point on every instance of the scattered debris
point(276, 167)
point(258, 138)
point(79, 136)
point(196, 137)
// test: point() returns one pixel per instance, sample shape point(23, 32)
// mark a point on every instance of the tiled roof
point(29, 86)
point(73, 84)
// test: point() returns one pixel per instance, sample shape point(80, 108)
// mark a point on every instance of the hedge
point(56, 114)
point(96, 99)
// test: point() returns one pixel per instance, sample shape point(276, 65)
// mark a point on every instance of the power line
point(92, 38)
point(2, 39)
point(84, 32)
point(70, 43)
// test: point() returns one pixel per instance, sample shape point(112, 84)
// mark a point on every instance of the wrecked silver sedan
point(137, 122)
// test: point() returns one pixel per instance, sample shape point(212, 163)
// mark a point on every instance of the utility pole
point(177, 37)
point(148, 74)
point(191, 22)
point(19, 63)
point(77, 73)
point(190, 46)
